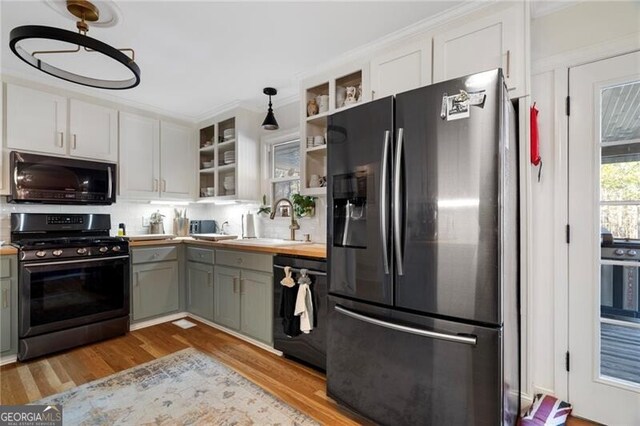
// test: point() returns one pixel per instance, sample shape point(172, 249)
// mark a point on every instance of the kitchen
point(197, 145)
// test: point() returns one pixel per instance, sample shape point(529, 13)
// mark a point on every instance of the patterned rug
point(187, 387)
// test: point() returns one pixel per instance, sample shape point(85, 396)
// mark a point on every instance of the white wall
point(584, 32)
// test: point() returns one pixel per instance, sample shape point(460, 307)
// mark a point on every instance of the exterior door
point(359, 179)
point(604, 199)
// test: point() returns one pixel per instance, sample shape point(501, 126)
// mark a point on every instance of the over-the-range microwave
point(55, 180)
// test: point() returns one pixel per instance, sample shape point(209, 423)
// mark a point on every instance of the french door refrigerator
point(423, 256)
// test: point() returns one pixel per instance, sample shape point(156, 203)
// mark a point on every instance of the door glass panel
point(620, 233)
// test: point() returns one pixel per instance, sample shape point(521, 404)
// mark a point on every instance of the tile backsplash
point(131, 214)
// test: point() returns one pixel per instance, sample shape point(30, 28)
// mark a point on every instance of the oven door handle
point(67, 262)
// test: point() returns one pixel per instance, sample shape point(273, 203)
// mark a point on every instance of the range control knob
point(104, 249)
point(115, 248)
point(81, 251)
point(619, 252)
point(632, 253)
point(57, 252)
point(41, 253)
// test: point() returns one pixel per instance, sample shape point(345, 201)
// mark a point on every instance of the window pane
point(285, 189)
point(286, 160)
point(620, 120)
point(620, 173)
point(622, 221)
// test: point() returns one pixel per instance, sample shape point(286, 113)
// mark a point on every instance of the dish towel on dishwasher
point(304, 303)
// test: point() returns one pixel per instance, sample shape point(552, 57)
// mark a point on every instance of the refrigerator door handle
point(397, 196)
point(383, 202)
point(456, 338)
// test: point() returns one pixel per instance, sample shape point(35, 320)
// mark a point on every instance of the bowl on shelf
point(207, 164)
point(229, 133)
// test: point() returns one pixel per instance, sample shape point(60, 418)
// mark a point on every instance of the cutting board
point(214, 237)
point(149, 237)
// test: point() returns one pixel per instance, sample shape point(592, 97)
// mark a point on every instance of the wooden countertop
point(315, 250)
point(8, 250)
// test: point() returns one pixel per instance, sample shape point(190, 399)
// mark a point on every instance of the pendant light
point(270, 122)
point(86, 12)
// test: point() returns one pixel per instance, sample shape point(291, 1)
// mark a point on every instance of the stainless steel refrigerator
point(423, 256)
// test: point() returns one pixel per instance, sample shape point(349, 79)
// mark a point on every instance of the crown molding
point(413, 30)
point(59, 87)
point(540, 8)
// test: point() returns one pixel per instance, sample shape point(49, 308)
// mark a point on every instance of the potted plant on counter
point(305, 206)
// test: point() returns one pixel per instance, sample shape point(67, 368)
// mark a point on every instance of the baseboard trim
point(9, 359)
point(236, 334)
point(156, 321)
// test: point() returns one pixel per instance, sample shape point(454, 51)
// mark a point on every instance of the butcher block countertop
point(8, 250)
point(314, 250)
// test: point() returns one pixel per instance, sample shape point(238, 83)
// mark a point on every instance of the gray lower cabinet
point(8, 305)
point(226, 297)
point(256, 305)
point(155, 282)
point(243, 301)
point(200, 289)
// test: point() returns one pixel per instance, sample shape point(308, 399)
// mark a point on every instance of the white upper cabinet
point(402, 68)
point(93, 131)
point(139, 156)
point(36, 121)
point(157, 159)
point(482, 43)
point(177, 162)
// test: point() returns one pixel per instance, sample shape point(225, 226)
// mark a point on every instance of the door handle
point(5, 298)
point(456, 338)
point(397, 225)
point(73, 145)
point(383, 202)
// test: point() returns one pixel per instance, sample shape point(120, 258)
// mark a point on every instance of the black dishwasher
point(309, 348)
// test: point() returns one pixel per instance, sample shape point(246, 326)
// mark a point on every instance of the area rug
point(187, 387)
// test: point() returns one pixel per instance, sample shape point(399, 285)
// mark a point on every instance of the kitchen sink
point(265, 242)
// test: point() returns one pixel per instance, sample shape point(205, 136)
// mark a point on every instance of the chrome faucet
point(294, 223)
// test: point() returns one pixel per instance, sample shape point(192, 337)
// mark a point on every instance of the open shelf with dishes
point(320, 97)
point(229, 149)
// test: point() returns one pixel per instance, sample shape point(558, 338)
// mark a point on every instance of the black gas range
point(73, 281)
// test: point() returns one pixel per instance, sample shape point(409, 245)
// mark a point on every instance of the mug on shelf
point(211, 191)
point(318, 140)
point(314, 181)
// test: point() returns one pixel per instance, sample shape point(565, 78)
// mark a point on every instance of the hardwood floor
point(299, 386)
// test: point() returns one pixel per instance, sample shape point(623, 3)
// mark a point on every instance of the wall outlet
point(145, 221)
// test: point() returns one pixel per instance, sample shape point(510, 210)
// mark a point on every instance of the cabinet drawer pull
point(5, 298)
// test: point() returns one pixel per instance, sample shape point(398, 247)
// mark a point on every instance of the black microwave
point(54, 180)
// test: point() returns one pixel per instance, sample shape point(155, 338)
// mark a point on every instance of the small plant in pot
point(264, 208)
point(305, 206)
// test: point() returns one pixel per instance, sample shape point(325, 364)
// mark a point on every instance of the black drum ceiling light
point(85, 11)
point(270, 122)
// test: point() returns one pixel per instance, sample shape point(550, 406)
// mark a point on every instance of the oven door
point(65, 294)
